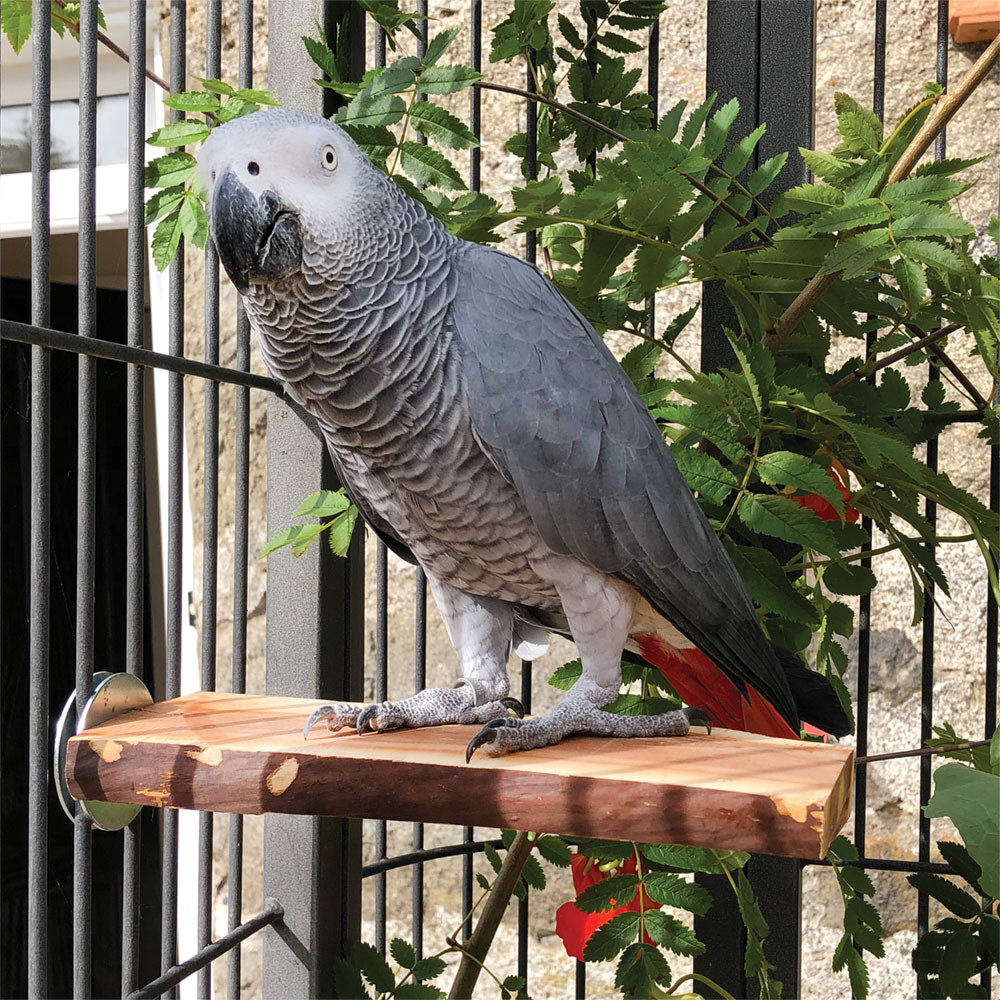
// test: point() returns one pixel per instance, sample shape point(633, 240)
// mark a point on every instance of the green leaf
point(341, 530)
point(554, 849)
point(672, 934)
point(611, 938)
point(179, 133)
point(694, 859)
point(428, 166)
point(931, 223)
point(651, 207)
point(932, 254)
point(347, 981)
point(912, 283)
point(739, 156)
point(369, 109)
point(963, 863)
point(946, 893)
point(809, 198)
point(218, 87)
point(860, 127)
point(373, 966)
point(447, 79)
point(166, 239)
point(848, 578)
point(854, 255)
point(257, 96)
point(533, 874)
point(419, 991)
point(193, 100)
point(717, 129)
point(427, 968)
point(704, 473)
point(566, 676)
point(857, 970)
point(829, 168)
point(672, 890)
point(786, 468)
point(851, 216)
point(692, 127)
point(513, 984)
point(607, 894)
point(602, 254)
point(439, 45)
point(858, 879)
point(432, 120)
point(782, 518)
point(929, 187)
point(842, 849)
point(641, 360)
point(769, 586)
point(765, 174)
point(642, 971)
point(15, 20)
point(193, 219)
point(402, 953)
point(163, 202)
point(295, 535)
point(168, 170)
point(995, 751)
point(713, 427)
point(538, 196)
point(968, 797)
point(947, 166)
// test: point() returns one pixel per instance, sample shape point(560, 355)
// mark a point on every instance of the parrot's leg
point(481, 629)
point(599, 611)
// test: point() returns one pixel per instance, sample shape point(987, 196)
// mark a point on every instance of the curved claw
point(320, 713)
point(364, 720)
point(514, 705)
point(698, 716)
point(485, 735)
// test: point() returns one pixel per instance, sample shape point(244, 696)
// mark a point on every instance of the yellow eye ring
point(329, 158)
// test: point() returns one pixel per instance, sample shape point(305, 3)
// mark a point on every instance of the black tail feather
point(814, 695)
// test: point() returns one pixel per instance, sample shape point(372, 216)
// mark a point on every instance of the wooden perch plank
point(245, 754)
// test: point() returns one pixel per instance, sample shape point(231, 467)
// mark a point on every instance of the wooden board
point(245, 754)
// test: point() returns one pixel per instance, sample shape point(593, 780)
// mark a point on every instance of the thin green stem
point(699, 978)
point(915, 110)
point(743, 486)
point(579, 55)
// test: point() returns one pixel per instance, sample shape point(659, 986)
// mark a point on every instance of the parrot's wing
point(553, 408)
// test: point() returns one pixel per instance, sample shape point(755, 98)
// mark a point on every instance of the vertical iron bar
point(419, 683)
point(930, 511)
point(865, 602)
point(85, 475)
point(653, 89)
point(381, 694)
point(38, 655)
point(210, 519)
point(134, 537)
point(580, 981)
point(241, 554)
point(475, 158)
point(175, 479)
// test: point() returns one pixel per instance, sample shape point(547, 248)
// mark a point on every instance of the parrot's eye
point(253, 169)
point(329, 158)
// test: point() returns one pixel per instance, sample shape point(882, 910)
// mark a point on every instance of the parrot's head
point(279, 182)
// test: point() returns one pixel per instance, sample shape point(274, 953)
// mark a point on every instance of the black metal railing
point(309, 859)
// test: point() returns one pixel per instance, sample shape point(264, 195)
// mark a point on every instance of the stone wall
point(844, 62)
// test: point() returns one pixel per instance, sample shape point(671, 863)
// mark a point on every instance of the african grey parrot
point(484, 430)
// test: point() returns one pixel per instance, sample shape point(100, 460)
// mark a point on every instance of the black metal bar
point(176, 364)
point(378, 868)
point(134, 472)
point(85, 475)
point(419, 683)
point(381, 694)
point(930, 511)
point(865, 602)
point(40, 543)
point(580, 981)
point(273, 913)
point(210, 518)
point(241, 554)
point(891, 865)
point(174, 597)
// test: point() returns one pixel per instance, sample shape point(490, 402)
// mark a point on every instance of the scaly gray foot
point(502, 736)
point(432, 707)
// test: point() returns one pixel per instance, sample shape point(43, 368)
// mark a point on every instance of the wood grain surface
point(246, 754)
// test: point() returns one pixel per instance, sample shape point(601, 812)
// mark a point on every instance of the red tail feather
point(701, 684)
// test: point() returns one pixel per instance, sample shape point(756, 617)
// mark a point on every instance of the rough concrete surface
point(844, 62)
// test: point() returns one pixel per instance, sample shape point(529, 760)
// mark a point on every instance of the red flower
point(576, 927)
point(821, 507)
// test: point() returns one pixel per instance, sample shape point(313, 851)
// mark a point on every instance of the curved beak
point(258, 239)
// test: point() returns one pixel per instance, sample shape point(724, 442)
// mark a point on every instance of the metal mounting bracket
point(113, 694)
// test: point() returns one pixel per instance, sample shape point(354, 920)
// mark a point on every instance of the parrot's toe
point(491, 737)
point(336, 717)
point(514, 706)
point(699, 717)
